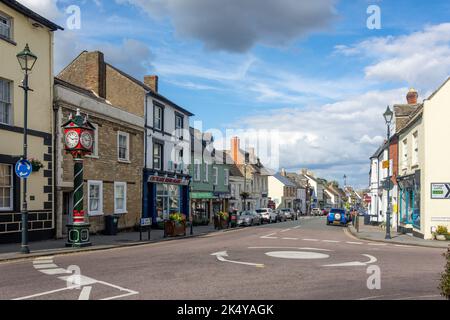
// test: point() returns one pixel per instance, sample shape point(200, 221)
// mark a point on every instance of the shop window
point(120, 197)
point(95, 198)
point(167, 201)
point(6, 187)
point(5, 101)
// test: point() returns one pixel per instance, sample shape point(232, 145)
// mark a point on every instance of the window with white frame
point(158, 117)
point(405, 154)
point(157, 156)
point(5, 26)
point(415, 153)
point(179, 125)
point(197, 170)
point(120, 197)
point(6, 187)
point(123, 146)
point(95, 198)
point(206, 172)
point(5, 101)
point(226, 177)
point(216, 176)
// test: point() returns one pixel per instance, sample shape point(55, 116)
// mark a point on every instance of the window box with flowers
point(36, 165)
point(176, 225)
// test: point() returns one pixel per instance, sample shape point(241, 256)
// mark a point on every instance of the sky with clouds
point(310, 69)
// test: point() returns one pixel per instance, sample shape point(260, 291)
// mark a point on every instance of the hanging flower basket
point(36, 165)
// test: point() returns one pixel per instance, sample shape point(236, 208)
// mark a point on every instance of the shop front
point(221, 202)
point(201, 207)
point(164, 195)
point(409, 204)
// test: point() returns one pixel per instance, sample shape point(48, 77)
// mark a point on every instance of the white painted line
point(45, 266)
point(131, 293)
point(270, 248)
point(53, 272)
point(377, 244)
point(270, 238)
point(359, 243)
point(297, 227)
point(297, 255)
point(331, 241)
point(285, 230)
point(43, 262)
point(290, 238)
point(312, 240)
point(221, 257)
point(46, 293)
point(85, 293)
point(372, 259)
point(79, 280)
point(44, 258)
point(420, 297)
point(403, 246)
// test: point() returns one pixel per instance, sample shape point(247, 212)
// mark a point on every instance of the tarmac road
point(302, 259)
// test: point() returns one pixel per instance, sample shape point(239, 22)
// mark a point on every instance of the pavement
point(296, 260)
point(375, 233)
point(99, 242)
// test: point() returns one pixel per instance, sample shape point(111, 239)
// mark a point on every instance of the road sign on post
point(23, 169)
point(440, 191)
point(145, 223)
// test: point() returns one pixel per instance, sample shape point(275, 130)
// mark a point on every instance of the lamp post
point(388, 115)
point(26, 60)
point(345, 180)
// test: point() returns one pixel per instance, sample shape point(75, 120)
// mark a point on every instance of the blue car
point(338, 217)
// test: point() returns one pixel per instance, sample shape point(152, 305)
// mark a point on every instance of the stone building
point(114, 102)
point(20, 26)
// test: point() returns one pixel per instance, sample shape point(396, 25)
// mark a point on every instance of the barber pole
point(79, 141)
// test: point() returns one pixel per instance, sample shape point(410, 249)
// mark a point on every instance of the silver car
point(248, 219)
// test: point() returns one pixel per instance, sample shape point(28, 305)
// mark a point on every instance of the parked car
point(267, 215)
point(326, 210)
point(280, 216)
point(316, 212)
point(248, 219)
point(289, 214)
point(338, 217)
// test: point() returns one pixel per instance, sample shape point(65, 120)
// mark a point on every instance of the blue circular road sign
point(23, 169)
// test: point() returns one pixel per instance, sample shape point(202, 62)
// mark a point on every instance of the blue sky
point(310, 69)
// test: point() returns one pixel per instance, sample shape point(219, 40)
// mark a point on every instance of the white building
point(282, 191)
point(167, 155)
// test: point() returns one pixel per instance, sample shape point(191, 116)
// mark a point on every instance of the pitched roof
point(284, 180)
point(235, 172)
point(31, 14)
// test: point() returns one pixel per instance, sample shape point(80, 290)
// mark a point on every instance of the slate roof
point(284, 180)
point(31, 14)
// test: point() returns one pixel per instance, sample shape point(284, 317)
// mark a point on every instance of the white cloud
point(46, 8)
point(420, 59)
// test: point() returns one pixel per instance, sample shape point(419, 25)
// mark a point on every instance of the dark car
point(338, 217)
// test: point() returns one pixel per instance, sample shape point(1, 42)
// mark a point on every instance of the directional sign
point(23, 169)
point(440, 191)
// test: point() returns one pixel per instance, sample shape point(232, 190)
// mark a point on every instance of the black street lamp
point(26, 60)
point(388, 116)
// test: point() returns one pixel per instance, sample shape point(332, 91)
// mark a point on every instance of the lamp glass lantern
point(388, 115)
point(26, 59)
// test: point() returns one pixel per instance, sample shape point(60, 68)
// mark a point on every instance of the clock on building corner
point(78, 136)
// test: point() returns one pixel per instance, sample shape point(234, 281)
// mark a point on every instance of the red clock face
point(72, 139)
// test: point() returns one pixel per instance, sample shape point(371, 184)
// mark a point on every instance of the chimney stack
point(283, 172)
point(235, 146)
point(152, 82)
point(412, 96)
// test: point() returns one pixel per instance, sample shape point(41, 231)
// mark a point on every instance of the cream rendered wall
point(411, 168)
point(276, 190)
point(437, 154)
point(40, 40)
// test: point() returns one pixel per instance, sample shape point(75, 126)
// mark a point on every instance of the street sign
point(145, 222)
point(23, 169)
point(440, 191)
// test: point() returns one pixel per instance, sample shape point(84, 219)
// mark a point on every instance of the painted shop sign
point(166, 180)
point(440, 191)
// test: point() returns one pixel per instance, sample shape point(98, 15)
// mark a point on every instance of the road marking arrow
point(355, 263)
point(221, 257)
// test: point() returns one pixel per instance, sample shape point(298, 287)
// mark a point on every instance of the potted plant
point(441, 233)
point(36, 165)
point(176, 225)
point(222, 220)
